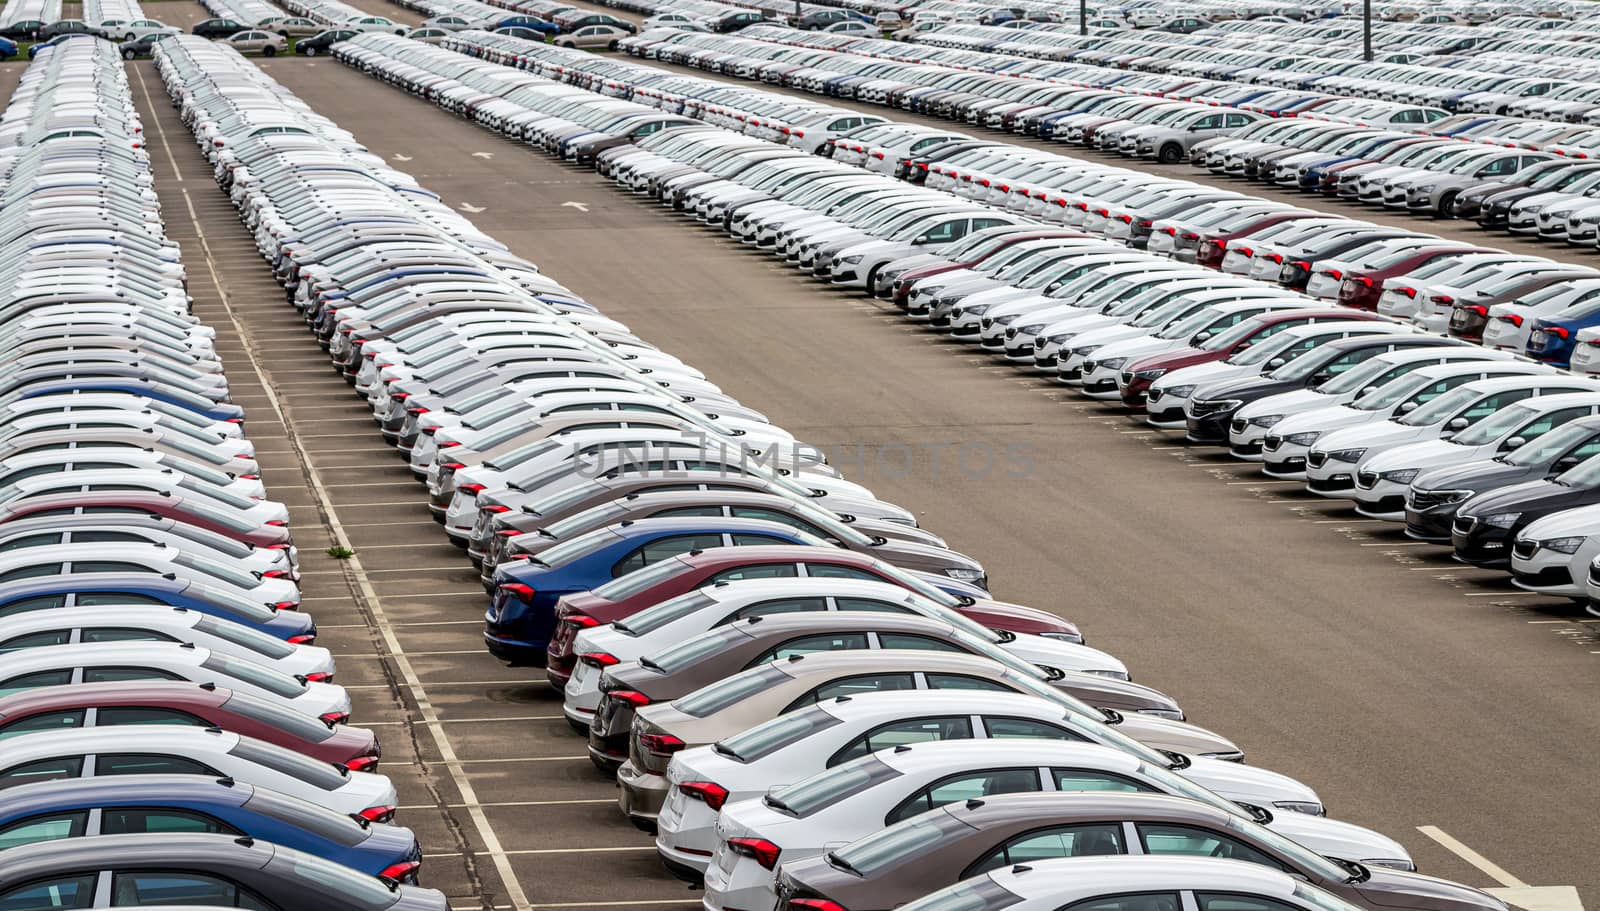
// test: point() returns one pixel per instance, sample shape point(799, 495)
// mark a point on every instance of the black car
point(1494, 210)
point(819, 19)
point(218, 28)
point(139, 47)
point(733, 21)
point(25, 30)
point(1436, 496)
point(322, 41)
point(1488, 524)
point(67, 27)
point(1216, 403)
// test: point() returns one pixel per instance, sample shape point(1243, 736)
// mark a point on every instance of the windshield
point(1373, 372)
point(1551, 446)
point(1232, 335)
point(1305, 858)
point(1496, 425)
point(1303, 367)
point(1266, 351)
point(1440, 408)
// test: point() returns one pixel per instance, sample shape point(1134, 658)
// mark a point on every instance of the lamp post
point(1366, 29)
point(1083, 16)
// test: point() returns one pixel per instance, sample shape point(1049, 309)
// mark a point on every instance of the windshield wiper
point(1358, 872)
point(1179, 761)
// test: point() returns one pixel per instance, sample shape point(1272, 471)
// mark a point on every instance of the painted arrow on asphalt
point(469, 207)
point(482, 154)
point(581, 207)
point(1512, 890)
point(398, 157)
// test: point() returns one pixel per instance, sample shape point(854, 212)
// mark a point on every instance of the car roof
point(1055, 807)
point(25, 800)
point(857, 661)
point(713, 557)
point(173, 738)
point(941, 754)
point(744, 590)
point(1071, 878)
point(141, 850)
point(901, 703)
point(157, 692)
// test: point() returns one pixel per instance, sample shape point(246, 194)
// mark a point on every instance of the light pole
point(1366, 29)
point(1083, 16)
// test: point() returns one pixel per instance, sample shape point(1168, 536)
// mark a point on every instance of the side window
point(664, 549)
point(58, 677)
point(44, 721)
point(688, 511)
point(42, 770)
point(1341, 364)
point(1170, 839)
point(133, 821)
point(1026, 729)
point(1498, 167)
point(963, 682)
point(119, 674)
point(925, 643)
point(773, 515)
point(30, 572)
point(777, 606)
point(150, 887)
point(149, 764)
point(836, 571)
point(966, 786)
point(121, 715)
point(102, 599)
point(898, 733)
point(1490, 404)
point(806, 645)
point(1062, 841)
point(748, 539)
point(945, 232)
point(1227, 901)
point(111, 634)
point(65, 893)
point(30, 541)
point(1211, 122)
point(1094, 780)
point(984, 224)
point(863, 683)
point(36, 640)
point(35, 829)
point(757, 571)
point(38, 602)
point(1141, 901)
point(108, 566)
point(1585, 451)
point(871, 604)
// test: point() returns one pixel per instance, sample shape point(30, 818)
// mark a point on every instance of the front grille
point(1239, 425)
point(1272, 443)
point(1331, 485)
point(1155, 395)
point(1428, 499)
point(1366, 480)
point(1317, 459)
point(1526, 549)
point(1464, 525)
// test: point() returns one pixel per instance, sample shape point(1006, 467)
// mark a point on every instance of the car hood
point(1584, 521)
point(1118, 340)
point(1531, 496)
point(1212, 371)
point(1248, 784)
point(1294, 401)
point(1424, 455)
point(1483, 474)
point(1248, 388)
point(1399, 889)
point(1336, 838)
point(1384, 433)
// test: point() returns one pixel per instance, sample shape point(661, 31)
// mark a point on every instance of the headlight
point(1403, 476)
point(851, 260)
point(1267, 420)
point(1154, 373)
point(1310, 808)
point(1085, 350)
point(1302, 439)
point(1426, 188)
point(1169, 714)
point(964, 575)
point(1347, 455)
point(1179, 392)
point(1502, 519)
point(1391, 863)
point(1114, 363)
point(1074, 638)
point(1563, 545)
point(974, 310)
point(1104, 672)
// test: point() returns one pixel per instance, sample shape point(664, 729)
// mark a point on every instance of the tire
point(128, 55)
point(612, 46)
point(310, 52)
point(1171, 153)
point(269, 51)
point(1445, 202)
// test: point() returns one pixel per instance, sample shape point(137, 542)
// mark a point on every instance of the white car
point(150, 623)
point(98, 662)
point(1287, 443)
point(168, 749)
point(1511, 323)
point(687, 616)
point(808, 741)
point(1554, 555)
point(1383, 480)
point(1336, 457)
point(191, 564)
point(41, 463)
point(860, 797)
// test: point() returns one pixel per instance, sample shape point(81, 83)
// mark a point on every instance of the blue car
point(8, 49)
point(182, 398)
point(521, 613)
point(140, 804)
point(99, 589)
point(34, 51)
point(1553, 337)
point(529, 22)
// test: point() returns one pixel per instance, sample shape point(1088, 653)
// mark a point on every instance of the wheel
point(128, 54)
point(310, 51)
point(1171, 153)
point(612, 46)
point(269, 51)
point(1446, 202)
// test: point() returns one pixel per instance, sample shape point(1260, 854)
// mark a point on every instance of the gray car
point(969, 838)
point(189, 870)
point(1170, 142)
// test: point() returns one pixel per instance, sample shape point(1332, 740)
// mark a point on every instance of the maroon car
point(904, 281)
point(55, 708)
point(1362, 288)
point(1211, 248)
point(634, 592)
point(210, 516)
point(1137, 376)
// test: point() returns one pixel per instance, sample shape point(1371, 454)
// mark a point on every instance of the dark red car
point(1136, 377)
point(1362, 288)
point(632, 593)
point(149, 502)
point(1211, 248)
point(904, 281)
point(55, 708)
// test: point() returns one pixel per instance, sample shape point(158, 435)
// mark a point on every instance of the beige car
point(744, 700)
point(605, 36)
point(256, 41)
point(293, 26)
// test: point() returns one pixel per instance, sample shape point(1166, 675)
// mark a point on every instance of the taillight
point(1479, 309)
point(447, 444)
point(452, 466)
point(286, 605)
point(521, 592)
point(497, 509)
point(378, 814)
point(473, 489)
point(1560, 332)
point(581, 621)
point(712, 794)
point(660, 744)
point(277, 523)
point(362, 764)
point(1409, 292)
point(304, 639)
point(405, 871)
point(1335, 274)
point(630, 697)
point(764, 852)
point(318, 677)
point(599, 659)
point(1364, 280)
point(815, 904)
point(1514, 319)
point(275, 574)
point(508, 533)
point(333, 718)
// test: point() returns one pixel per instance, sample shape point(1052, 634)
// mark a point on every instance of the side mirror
point(1275, 363)
point(1564, 463)
point(1320, 377)
point(1457, 424)
point(1200, 337)
point(1512, 443)
point(1408, 407)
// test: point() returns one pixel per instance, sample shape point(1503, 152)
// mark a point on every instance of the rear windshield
point(280, 717)
point(901, 841)
point(638, 580)
point(668, 611)
point(322, 775)
point(303, 814)
point(693, 651)
point(730, 690)
point(820, 792)
point(771, 736)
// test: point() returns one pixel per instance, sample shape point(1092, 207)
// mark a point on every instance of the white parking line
point(1491, 869)
point(498, 720)
point(418, 684)
point(521, 803)
point(525, 851)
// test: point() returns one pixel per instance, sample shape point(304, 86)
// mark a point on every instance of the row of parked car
point(170, 733)
point(807, 699)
